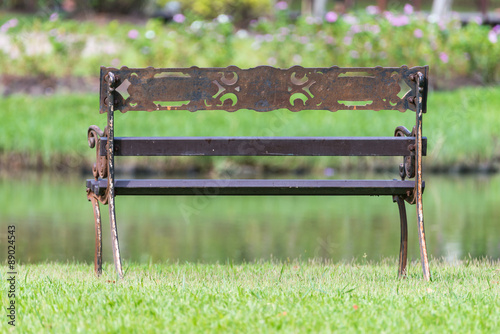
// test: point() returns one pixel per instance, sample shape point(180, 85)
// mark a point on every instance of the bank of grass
point(462, 127)
point(261, 297)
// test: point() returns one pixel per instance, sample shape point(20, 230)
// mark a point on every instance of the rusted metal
point(98, 232)
point(407, 168)
point(100, 168)
point(262, 88)
point(110, 79)
point(254, 187)
point(263, 146)
point(403, 244)
point(421, 107)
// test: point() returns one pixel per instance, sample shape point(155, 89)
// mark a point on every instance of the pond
point(54, 222)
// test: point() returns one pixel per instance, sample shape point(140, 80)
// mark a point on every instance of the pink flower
point(354, 54)
point(284, 31)
point(443, 57)
point(9, 24)
point(281, 5)
point(418, 33)
point(408, 9)
point(373, 28)
point(53, 17)
point(350, 19)
point(496, 29)
point(492, 36)
point(331, 17)
point(310, 20)
point(356, 29)
point(329, 40)
point(372, 10)
point(179, 18)
point(133, 34)
point(477, 19)
point(398, 21)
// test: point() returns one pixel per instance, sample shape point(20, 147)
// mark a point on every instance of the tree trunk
point(441, 10)
point(306, 7)
point(382, 5)
point(319, 8)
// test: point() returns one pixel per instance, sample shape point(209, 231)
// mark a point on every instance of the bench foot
point(114, 237)
point(98, 234)
point(421, 238)
point(403, 249)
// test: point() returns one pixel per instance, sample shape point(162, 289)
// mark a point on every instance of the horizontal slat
point(262, 146)
point(209, 187)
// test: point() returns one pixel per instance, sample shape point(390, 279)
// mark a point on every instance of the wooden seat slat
point(262, 146)
point(250, 187)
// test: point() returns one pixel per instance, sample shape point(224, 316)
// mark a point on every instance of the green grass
point(462, 127)
point(262, 297)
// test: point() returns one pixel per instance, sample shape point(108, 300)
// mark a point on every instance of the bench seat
point(253, 187)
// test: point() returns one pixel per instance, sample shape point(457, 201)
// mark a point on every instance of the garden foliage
point(53, 46)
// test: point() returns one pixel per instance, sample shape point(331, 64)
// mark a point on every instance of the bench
point(261, 89)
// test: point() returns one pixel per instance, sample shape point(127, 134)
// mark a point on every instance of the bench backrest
point(262, 88)
point(265, 88)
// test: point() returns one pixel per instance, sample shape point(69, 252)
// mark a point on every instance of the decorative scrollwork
point(262, 88)
point(100, 167)
point(407, 168)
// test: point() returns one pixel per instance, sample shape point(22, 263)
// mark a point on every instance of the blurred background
point(50, 54)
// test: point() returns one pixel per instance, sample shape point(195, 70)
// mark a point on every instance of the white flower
point(223, 18)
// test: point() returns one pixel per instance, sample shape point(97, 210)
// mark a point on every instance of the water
point(54, 222)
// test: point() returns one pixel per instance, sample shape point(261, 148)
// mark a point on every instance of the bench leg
point(421, 237)
point(420, 109)
point(98, 236)
point(114, 236)
point(403, 245)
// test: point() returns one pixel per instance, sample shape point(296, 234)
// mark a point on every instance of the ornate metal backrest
point(262, 88)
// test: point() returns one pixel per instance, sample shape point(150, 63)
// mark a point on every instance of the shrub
point(241, 10)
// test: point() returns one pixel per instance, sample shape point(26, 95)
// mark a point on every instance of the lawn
point(261, 297)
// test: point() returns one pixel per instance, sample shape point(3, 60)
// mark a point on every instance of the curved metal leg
point(421, 235)
point(110, 78)
point(403, 249)
point(98, 236)
point(114, 235)
point(420, 109)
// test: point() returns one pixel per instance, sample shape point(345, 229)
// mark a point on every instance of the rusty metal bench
point(261, 89)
